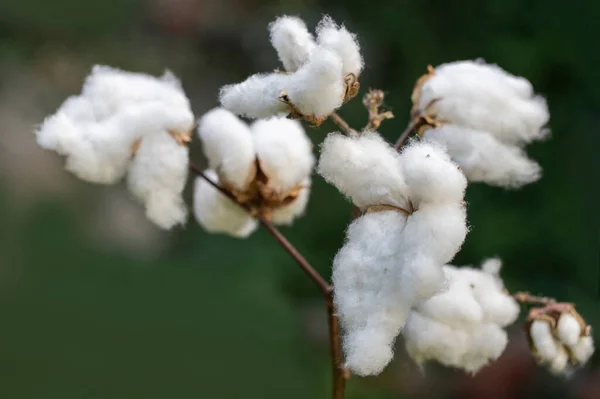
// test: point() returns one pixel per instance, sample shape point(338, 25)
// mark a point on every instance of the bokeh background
point(95, 302)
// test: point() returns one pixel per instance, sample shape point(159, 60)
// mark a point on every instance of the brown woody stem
point(343, 125)
point(527, 298)
point(411, 128)
point(339, 372)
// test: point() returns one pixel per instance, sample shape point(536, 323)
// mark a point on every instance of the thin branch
point(412, 127)
point(339, 372)
point(343, 125)
point(527, 298)
point(372, 101)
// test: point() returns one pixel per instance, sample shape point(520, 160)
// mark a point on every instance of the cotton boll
point(228, 146)
point(430, 175)
point(286, 214)
point(341, 42)
point(366, 276)
point(546, 347)
point(218, 214)
point(257, 96)
point(157, 177)
point(365, 168)
point(560, 363)
point(568, 329)
point(487, 342)
point(422, 276)
point(317, 88)
point(483, 158)
point(292, 40)
point(583, 350)
point(284, 152)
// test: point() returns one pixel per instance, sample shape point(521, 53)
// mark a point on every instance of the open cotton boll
point(366, 276)
point(560, 363)
point(483, 158)
point(292, 40)
point(431, 175)
point(568, 329)
point(583, 350)
point(365, 168)
point(218, 214)
point(111, 89)
point(228, 146)
point(475, 100)
point(288, 213)
point(317, 88)
point(257, 96)
point(284, 152)
point(544, 343)
point(157, 177)
point(341, 42)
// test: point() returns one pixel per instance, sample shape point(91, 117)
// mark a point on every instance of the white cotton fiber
point(218, 214)
point(292, 40)
point(341, 42)
point(583, 350)
point(545, 345)
point(284, 152)
point(483, 158)
point(228, 145)
point(366, 278)
point(482, 98)
point(257, 96)
point(286, 214)
point(365, 168)
point(568, 329)
point(157, 177)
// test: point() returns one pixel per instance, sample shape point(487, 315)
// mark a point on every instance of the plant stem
point(526, 297)
point(344, 125)
point(406, 133)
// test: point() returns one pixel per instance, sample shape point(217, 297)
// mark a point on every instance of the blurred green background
point(97, 303)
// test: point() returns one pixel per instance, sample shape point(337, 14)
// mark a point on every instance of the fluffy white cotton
point(341, 42)
point(365, 168)
point(458, 327)
point(568, 329)
point(366, 280)
point(583, 350)
point(545, 345)
point(228, 146)
point(284, 152)
point(257, 96)
point(286, 214)
point(483, 158)
point(157, 177)
point(218, 214)
point(292, 40)
point(481, 97)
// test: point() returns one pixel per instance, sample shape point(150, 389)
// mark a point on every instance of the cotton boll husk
point(218, 214)
point(257, 96)
point(545, 345)
point(568, 329)
point(317, 88)
point(288, 213)
point(111, 89)
point(292, 40)
point(284, 152)
point(476, 101)
point(366, 276)
point(157, 177)
point(228, 146)
point(483, 158)
point(583, 350)
point(365, 168)
point(341, 42)
point(431, 175)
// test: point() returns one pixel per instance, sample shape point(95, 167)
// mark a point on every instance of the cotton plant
point(484, 116)
point(463, 327)
point(127, 124)
point(266, 166)
point(413, 222)
point(319, 74)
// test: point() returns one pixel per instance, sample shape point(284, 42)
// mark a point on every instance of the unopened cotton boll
point(365, 168)
point(480, 97)
point(568, 329)
point(341, 42)
point(257, 96)
point(218, 214)
point(292, 40)
point(284, 152)
point(483, 158)
point(228, 145)
point(157, 177)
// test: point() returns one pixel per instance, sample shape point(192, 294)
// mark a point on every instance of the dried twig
point(527, 298)
point(344, 125)
point(372, 101)
point(339, 372)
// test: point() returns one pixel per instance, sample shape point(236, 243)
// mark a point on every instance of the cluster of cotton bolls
point(463, 326)
point(319, 74)
point(413, 222)
point(266, 166)
point(127, 123)
point(559, 338)
point(484, 116)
